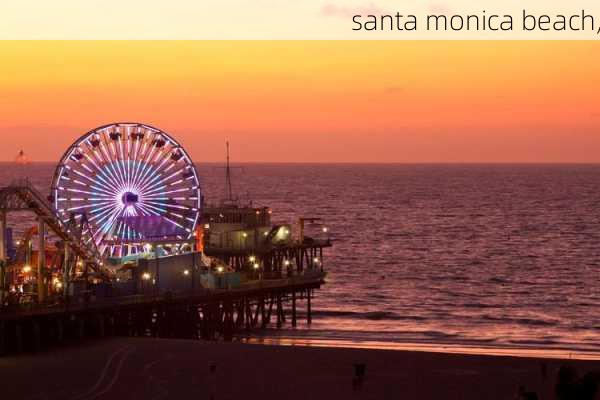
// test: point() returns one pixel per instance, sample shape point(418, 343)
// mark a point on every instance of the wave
point(521, 321)
point(368, 315)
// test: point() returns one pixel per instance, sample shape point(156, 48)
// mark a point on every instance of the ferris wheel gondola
point(133, 182)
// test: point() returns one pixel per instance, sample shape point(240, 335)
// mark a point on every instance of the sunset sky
point(311, 101)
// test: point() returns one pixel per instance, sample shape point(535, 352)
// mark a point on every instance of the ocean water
point(499, 256)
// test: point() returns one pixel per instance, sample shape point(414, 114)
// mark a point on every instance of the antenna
point(229, 199)
point(228, 177)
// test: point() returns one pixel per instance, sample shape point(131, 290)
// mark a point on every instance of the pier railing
point(75, 304)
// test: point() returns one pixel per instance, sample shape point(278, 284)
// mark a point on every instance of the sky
point(311, 101)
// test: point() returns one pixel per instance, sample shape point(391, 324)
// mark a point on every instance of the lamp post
point(41, 265)
point(145, 277)
point(157, 279)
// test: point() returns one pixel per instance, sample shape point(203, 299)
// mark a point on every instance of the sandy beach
point(130, 368)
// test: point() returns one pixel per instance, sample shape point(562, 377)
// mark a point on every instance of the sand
point(130, 368)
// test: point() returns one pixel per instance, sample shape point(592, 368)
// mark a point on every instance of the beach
point(143, 368)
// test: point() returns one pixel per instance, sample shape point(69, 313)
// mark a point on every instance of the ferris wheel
point(132, 182)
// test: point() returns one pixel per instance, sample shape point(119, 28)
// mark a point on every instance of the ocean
point(487, 256)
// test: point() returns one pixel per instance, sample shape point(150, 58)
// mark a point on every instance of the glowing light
point(206, 226)
point(316, 259)
point(256, 266)
point(325, 229)
point(146, 276)
point(126, 171)
point(252, 258)
point(286, 263)
point(244, 234)
point(26, 269)
point(220, 269)
point(186, 272)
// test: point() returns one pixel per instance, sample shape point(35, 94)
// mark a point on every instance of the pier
point(124, 245)
point(200, 314)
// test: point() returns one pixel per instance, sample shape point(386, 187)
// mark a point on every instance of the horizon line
point(373, 162)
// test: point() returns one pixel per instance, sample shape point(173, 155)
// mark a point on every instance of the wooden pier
point(218, 314)
point(275, 275)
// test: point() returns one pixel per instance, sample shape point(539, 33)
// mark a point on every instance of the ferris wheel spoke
point(101, 210)
point(154, 178)
point(95, 154)
point(176, 206)
point(92, 181)
point(126, 170)
point(145, 169)
point(111, 153)
point(169, 167)
point(103, 181)
point(155, 208)
point(105, 152)
point(148, 209)
point(91, 160)
point(145, 149)
point(142, 171)
point(103, 223)
point(172, 191)
point(120, 171)
point(152, 183)
point(84, 206)
point(149, 153)
point(107, 222)
point(175, 223)
point(103, 191)
point(160, 153)
point(164, 181)
point(141, 210)
point(115, 174)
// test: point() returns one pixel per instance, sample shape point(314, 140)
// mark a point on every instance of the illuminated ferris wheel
point(132, 182)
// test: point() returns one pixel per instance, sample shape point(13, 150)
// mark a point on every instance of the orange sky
point(307, 101)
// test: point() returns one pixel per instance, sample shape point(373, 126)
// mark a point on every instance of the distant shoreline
point(432, 347)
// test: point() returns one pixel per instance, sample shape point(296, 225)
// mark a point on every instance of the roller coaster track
point(76, 233)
